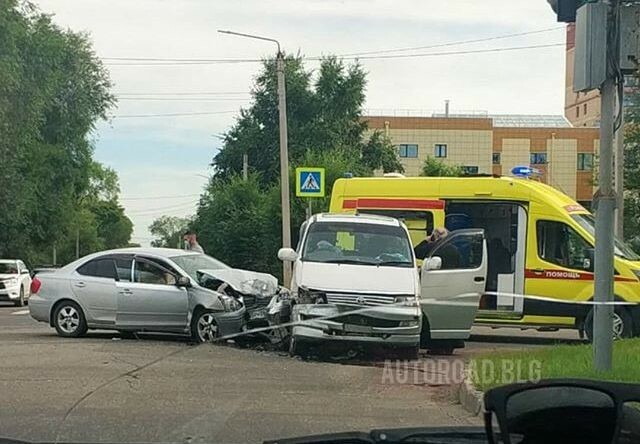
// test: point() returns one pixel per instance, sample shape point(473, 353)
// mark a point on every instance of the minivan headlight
point(409, 301)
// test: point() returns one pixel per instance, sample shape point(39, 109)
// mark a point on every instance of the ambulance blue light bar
point(525, 171)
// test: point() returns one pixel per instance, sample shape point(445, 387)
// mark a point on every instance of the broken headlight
point(306, 296)
point(229, 303)
point(409, 301)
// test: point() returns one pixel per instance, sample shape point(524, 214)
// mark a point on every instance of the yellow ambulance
point(540, 243)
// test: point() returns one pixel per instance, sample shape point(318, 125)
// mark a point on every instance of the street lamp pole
point(284, 151)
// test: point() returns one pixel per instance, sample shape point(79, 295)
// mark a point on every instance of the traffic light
point(566, 9)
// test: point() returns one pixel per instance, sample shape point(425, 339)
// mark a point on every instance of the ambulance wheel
point(622, 324)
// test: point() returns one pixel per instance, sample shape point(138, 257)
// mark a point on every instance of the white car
point(355, 282)
point(15, 281)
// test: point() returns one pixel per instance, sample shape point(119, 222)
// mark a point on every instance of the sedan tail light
point(35, 285)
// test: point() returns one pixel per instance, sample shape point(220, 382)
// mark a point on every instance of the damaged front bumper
point(231, 322)
point(397, 326)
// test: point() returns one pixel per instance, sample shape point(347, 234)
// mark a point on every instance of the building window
point(469, 170)
point(441, 150)
point(495, 159)
point(577, 111)
point(585, 162)
point(409, 150)
point(585, 109)
point(538, 158)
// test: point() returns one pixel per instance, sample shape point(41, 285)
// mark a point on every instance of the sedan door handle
point(479, 279)
point(80, 284)
point(538, 271)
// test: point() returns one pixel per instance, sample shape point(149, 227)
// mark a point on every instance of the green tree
point(168, 231)
point(632, 172)
point(324, 115)
point(53, 90)
point(434, 167)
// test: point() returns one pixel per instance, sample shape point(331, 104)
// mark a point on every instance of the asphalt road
point(160, 388)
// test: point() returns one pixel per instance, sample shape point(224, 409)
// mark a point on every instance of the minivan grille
point(359, 299)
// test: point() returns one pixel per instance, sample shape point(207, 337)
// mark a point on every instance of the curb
point(469, 397)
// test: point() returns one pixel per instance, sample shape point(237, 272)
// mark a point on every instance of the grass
point(562, 361)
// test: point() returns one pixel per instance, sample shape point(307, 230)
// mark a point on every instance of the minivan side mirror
point(433, 263)
point(183, 281)
point(287, 255)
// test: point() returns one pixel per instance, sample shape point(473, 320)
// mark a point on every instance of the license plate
point(258, 314)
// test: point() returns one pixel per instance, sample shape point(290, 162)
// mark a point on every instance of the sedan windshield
point(191, 263)
point(622, 250)
point(357, 243)
point(8, 268)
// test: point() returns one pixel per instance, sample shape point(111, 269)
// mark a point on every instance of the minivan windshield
point(587, 221)
point(191, 263)
point(357, 243)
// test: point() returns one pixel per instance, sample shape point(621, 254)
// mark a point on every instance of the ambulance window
point(416, 221)
point(561, 245)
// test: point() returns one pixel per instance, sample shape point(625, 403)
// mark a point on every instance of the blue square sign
point(309, 182)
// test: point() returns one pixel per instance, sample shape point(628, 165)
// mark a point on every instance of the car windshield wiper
point(395, 263)
point(349, 261)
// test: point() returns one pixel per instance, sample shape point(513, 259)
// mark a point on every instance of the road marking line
point(21, 312)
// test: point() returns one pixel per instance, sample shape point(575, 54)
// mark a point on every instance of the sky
point(163, 161)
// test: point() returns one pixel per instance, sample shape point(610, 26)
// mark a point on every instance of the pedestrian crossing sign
point(309, 182)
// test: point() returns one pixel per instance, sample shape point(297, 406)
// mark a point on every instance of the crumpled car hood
point(245, 281)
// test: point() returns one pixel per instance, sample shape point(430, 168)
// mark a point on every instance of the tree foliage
point(434, 167)
point(324, 114)
point(632, 172)
point(168, 231)
point(53, 90)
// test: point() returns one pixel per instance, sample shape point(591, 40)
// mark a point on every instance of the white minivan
point(355, 281)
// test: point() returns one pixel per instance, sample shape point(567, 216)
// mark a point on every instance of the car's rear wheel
point(622, 324)
point(68, 320)
point(20, 301)
point(204, 327)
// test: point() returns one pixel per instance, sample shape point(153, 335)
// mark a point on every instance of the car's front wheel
point(68, 320)
point(204, 327)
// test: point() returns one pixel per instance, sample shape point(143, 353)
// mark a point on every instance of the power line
point(175, 207)
point(170, 62)
point(475, 51)
point(159, 197)
point(459, 42)
point(181, 93)
point(173, 99)
point(126, 116)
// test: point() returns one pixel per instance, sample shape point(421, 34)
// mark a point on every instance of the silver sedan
point(136, 289)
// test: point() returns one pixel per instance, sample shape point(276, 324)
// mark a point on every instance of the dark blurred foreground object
point(567, 411)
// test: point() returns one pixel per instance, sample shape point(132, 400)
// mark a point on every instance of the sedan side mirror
point(433, 263)
point(287, 255)
point(183, 281)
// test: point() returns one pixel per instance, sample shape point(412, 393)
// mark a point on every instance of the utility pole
point(606, 204)
point(284, 151)
point(284, 166)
